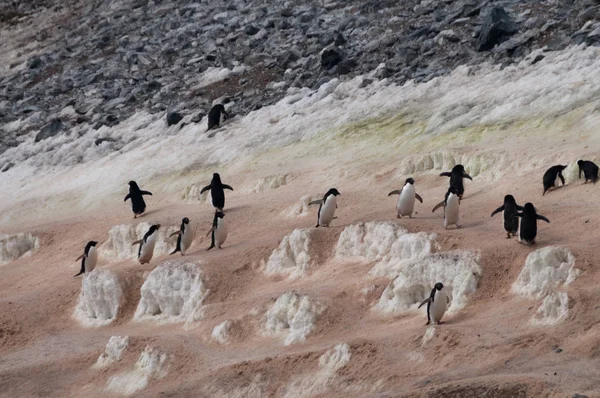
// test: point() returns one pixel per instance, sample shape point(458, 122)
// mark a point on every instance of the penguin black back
point(85, 255)
point(550, 176)
point(214, 116)
point(511, 220)
point(216, 191)
point(456, 179)
point(179, 234)
point(590, 170)
point(138, 206)
point(151, 230)
point(529, 219)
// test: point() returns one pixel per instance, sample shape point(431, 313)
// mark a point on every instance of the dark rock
point(154, 85)
point(34, 63)
point(558, 350)
point(537, 59)
point(111, 120)
point(579, 396)
point(7, 166)
point(558, 42)
point(339, 40)
point(516, 41)
point(50, 130)
point(251, 30)
point(330, 57)
point(101, 140)
point(173, 118)
point(198, 117)
point(41, 35)
point(346, 66)
point(30, 108)
point(497, 27)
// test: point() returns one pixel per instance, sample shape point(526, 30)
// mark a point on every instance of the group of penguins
point(436, 303)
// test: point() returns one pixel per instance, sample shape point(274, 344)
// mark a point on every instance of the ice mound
point(385, 242)
point(318, 383)
point(221, 332)
point(172, 292)
point(546, 271)
point(292, 316)
point(191, 194)
point(100, 299)
point(458, 271)
point(270, 182)
point(14, 246)
point(291, 257)
point(113, 352)
point(120, 238)
point(152, 364)
point(301, 208)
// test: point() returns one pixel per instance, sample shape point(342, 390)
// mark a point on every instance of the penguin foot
point(428, 322)
point(219, 247)
point(317, 226)
point(458, 226)
point(210, 248)
point(439, 323)
point(508, 235)
point(398, 216)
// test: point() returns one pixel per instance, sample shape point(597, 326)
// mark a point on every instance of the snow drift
point(291, 257)
point(15, 246)
point(152, 364)
point(100, 299)
point(293, 317)
point(120, 238)
point(270, 182)
point(301, 208)
point(113, 352)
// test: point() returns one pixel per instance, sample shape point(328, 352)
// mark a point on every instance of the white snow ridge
point(226, 331)
point(14, 246)
point(191, 194)
point(120, 238)
point(173, 292)
point(547, 270)
point(270, 182)
point(293, 316)
point(113, 352)
point(301, 208)
point(152, 364)
point(100, 299)
point(291, 257)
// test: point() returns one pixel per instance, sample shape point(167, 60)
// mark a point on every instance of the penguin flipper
point(206, 188)
point(442, 203)
point(137, 242)
point(419, 198)
point(79, 258)
point(80, 272)
point(146, 193)
point(178, 247)
point(498, 210)
point(225, 186)
point(562, 179)
point(465, 175)
point(128, 196)
point(446, 174)
point(316, 202)
point(427, 300)
point(540, 217)
point(395, 192)
point(520, 208)
point(175, 233)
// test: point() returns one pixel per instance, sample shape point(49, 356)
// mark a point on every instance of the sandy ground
point(487, 349)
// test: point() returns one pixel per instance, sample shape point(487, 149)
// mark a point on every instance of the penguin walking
point(406, 200)
point(529, 217)
point(511, 220)
point(216, 116)
point(327, 207)
point(185, 235)
point(456, 179)
point(451, 203)
point(137, 201)
point(146, 250)
point(88, 258)
point(216, 192)
point(436, 304)
point(551, 177)
point(590, 170)
point(218, 231)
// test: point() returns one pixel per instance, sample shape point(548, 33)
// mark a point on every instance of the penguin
point(146, 249)
point(185, 235)
point(327, 207)
point(436, 304)
point(590, 170)
point(450, 203)
point(137, 201)
point(218, 231)
point(528, 230)
point(216, 192)
point(88, 258)
point(406, 201)
point(551, 177)
point(456, 179)
point(216, 116)
point(511, 221)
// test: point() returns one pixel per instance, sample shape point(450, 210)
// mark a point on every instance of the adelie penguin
point(137, 201)
point(511, 219)
point(451, 204)
point(551, 177)
point(216, 192)
point(436, 304)
point(589, 169)
point(327, 207)
point(406, 201)
point(185, 235)
point(216, 117)
point(528, 230)
point(146, 250)
point(88, 258)
point(456, 179)
point(218, 231)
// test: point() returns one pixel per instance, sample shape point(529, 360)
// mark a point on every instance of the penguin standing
point(327, 207)
point(218, 231)
point(185, 235)
point(451, 203)
point(137, 201)
point(216, 116)
point(436, 304)
point(590, 170)
point(216, 192)
point(551, 177)
point(511, 220)
point(456, 179)
point(528, 230)
point(406, 201)
point(146, 250)
point(88, 258)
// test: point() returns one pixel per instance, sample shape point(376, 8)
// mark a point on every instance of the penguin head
point(133, 185)
point(452, 190)
point(580, 163)
point(439, 286)
point(216, 178)
point(154, 228)
point(459, 168)
point(528, 208)
point(562, 167)
point(509, 199)
point(219, 214)
point(333, 191)
point(409, 181)
point(185, 220)
point(92, 243)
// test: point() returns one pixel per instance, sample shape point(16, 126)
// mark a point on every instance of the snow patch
point(213, 75)
point(292, 316)
point(554, 309)
point(191, 194)
point(428, 335)
point(18, 245)
point(152, 364)
point(270, 182)
point(119, 246)
point(173, 292)
point(221, 332)
point(301, 208)
point(100, 299)
point(113, 352)
point(291, 257)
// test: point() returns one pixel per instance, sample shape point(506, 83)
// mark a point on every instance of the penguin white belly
point(90, 261)
point(186, 239)
point(438, 307)
point(327, 211)
point(451, 211)
point(220, 232)
point(147, 249)
point(406, 201)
